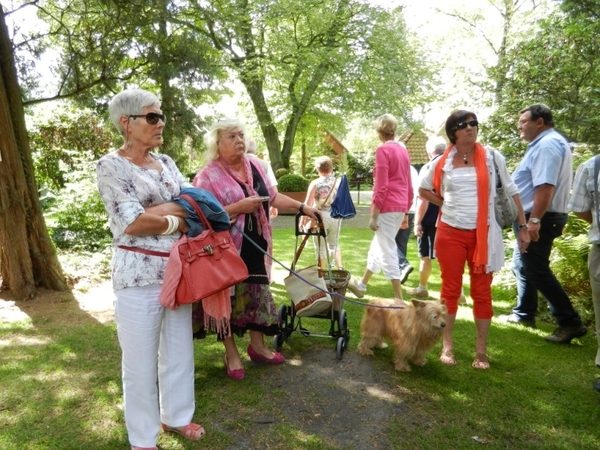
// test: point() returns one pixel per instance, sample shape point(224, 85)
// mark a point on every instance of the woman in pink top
point(392, 196)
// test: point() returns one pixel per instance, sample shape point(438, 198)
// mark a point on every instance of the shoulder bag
point(209, 262)
point(505, 207)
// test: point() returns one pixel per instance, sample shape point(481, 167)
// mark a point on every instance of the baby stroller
point(329, 307)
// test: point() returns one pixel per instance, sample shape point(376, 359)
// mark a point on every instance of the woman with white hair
point(137, 186)
point(241, 185)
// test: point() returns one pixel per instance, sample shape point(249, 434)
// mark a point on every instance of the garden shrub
point(292, 183)
point(281, 172)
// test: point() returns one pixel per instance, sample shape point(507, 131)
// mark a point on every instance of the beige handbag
point(308, 300)
point(307, 287)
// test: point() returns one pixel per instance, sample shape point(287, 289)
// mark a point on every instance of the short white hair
point(130, 102)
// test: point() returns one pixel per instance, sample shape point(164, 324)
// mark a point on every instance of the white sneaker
point(353, 287)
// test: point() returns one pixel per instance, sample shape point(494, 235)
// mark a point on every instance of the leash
point(332, 294)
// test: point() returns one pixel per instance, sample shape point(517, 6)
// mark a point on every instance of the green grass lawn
point(60, 382)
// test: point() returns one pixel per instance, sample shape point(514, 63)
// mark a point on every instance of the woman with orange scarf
point(462, 182)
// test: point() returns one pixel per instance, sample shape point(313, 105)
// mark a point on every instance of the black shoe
point(597, 384)
point(514, 319)
point(405, 272)
point(564, 335)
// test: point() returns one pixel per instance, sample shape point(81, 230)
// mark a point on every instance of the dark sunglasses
point(463, 125)
point(151, 118)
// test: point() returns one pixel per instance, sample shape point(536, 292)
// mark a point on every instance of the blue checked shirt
point(548, 160)
point(582, 197)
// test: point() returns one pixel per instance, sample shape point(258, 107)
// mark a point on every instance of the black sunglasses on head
point(151, 118)
point(463, 125)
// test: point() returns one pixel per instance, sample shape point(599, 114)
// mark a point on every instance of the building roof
point(415, 144)
point(336, 145)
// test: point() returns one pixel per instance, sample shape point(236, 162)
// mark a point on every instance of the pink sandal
point(192, 431)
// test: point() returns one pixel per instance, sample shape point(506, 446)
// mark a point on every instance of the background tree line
point(304, 67)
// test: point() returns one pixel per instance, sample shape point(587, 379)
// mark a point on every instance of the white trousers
point(156, 344)
point(383, 253)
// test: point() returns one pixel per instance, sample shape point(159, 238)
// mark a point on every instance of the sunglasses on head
point(463, 125)
point(151, 118)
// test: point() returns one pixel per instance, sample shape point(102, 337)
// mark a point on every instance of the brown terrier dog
point(412, 331)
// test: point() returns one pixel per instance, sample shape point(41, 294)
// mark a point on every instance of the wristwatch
point(534, 220)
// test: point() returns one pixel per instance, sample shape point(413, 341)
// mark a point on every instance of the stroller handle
point(318, 230)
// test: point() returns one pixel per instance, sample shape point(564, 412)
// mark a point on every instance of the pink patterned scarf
point(224, 183)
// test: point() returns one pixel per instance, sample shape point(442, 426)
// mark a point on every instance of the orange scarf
point(480, 258)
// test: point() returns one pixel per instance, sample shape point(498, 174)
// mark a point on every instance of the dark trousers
point(402, 241)
point(533, 273)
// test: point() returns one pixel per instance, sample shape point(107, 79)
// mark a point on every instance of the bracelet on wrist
point(172, 225)
point(522, 226)
point(301, 208)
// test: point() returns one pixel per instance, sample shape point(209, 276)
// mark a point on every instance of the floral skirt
point(252, 308)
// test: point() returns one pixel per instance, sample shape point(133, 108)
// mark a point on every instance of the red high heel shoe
point(236, 374)
point(277, 358)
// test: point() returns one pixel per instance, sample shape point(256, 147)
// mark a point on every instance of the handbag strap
point(330, 192)
point(298, 252)
point(198, 210)
point(498, 179)
point(596, 172)
point(145, 251)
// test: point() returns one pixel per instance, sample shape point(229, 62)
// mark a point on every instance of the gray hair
point(251, 147)
point(128, 103)
point(439, 148)
point(386, 125)
point(435, 145)
point(211, 138)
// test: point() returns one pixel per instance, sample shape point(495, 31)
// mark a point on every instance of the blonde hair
point(211, 138)
point(323, 164)
point(386, 125)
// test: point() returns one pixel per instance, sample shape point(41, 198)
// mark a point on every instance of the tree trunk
point(265, 120)
point(28, 255)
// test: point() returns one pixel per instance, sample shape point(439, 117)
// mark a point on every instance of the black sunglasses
point(463, 125)
point(151, 118)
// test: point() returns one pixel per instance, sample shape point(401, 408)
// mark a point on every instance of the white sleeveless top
point(459, 209)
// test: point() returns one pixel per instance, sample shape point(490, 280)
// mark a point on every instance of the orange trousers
point(454, 247)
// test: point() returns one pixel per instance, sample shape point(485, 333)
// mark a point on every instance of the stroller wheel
point(343, 322)
point(278, 341)
point(282, 315)
point(340, 347)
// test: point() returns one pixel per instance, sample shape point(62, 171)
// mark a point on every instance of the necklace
point(464, 155)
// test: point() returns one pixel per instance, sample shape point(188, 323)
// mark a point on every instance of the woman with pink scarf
point(241, 185)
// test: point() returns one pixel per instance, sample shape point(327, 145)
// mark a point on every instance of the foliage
point(313, 58)
point(292, 183)
point(559, 66)
point(569, 263)
point(77, 219)
point(60, 141)
point(100, 48)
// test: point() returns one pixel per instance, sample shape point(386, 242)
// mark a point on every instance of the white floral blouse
point(126, 189)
